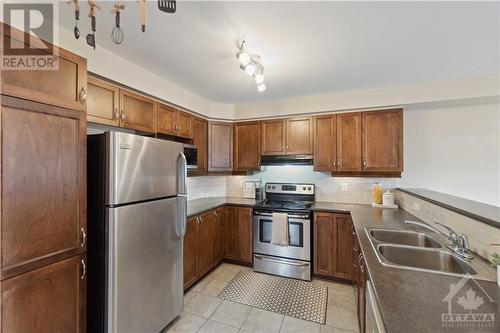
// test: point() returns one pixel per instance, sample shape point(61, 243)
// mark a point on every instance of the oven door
point(299, 230)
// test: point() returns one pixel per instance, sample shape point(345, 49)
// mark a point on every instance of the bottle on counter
point(377, 193)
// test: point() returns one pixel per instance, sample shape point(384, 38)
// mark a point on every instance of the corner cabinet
point(220, 146)
point(247, 146)
point(333, 245)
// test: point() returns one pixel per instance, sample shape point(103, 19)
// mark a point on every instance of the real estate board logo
point(30, 31)
point(469, 306)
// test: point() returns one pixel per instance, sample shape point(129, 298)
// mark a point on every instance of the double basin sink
point(417, 251)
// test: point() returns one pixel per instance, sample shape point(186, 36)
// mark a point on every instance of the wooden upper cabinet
point(247, 146)
point(43, 195)
point(383, 140)
point(65, 87)
point(273, 137)
point(191, 252)
point(200, 140)
point(245, 226)
point(137, 112)
point(48, 299)
point(325, 145)
point(166, 123)
point(323, 244)
point(342, 248)
point(184, 125)
point(299, 136)
point(174, 122)
point(349, 141)
point(103, 102)
point(220, 146)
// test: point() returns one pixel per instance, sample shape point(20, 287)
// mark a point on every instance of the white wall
point(454, 149)
point(464, 88)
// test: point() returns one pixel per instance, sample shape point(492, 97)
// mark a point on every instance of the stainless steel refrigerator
point(136, 224)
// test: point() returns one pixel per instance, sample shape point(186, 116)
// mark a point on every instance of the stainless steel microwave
point(191, 153)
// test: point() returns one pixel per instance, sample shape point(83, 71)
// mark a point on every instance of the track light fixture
point(250, 63)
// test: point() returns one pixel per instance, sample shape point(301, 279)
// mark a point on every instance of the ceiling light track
point(250, 63)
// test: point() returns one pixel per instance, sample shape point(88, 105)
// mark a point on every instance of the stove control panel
point(290, 188)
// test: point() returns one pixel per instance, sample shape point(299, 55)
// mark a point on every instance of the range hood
point(286, 160)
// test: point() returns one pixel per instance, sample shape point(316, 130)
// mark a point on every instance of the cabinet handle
point(84, 237)
point(82, 96)
point(339, 163)
point(116, 116)
point(286, 147)
point(84, 269)
point(364, 163)
point(123, 115)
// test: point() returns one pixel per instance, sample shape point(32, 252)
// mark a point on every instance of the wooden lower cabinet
point(222, 233)
point(191, 252)
point(333, 245)
point(361, 290)
point(48, 299)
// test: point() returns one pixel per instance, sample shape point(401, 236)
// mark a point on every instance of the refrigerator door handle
point(182, 214)
point(181, 175)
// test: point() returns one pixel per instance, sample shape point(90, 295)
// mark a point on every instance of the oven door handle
point(280, 262)
point(289, 215)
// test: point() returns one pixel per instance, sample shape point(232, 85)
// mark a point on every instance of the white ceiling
point(306, 47)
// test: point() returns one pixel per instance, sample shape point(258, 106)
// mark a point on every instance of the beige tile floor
point(205, 313)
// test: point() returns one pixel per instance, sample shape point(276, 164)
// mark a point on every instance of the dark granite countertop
point(410, 301)
point(476, 210)
point(198, 206)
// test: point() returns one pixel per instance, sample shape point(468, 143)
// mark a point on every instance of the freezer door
point(141, 168)
point(145, 266)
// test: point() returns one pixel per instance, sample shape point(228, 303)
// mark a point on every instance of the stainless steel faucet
point(458, 242)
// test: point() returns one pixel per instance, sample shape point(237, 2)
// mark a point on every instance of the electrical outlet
point(345, 187)
point(242, 184)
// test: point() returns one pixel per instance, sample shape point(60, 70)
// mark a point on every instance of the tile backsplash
point(327, 188)
point(480, 235)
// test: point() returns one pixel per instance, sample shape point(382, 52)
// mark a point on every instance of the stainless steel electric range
point(293, 260)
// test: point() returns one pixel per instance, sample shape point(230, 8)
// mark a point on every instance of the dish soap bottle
point(377, 193)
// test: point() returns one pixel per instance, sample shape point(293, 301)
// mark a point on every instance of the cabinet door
point(200, 140)
point(245, 219)
point(137, 112)
point(44, 184)
point(205, 243)
point(355, 254)
point(219, 236)
point(272, 137)
point(191, 252)
point(231, 233)
point(48, 299)
point(361, 293)
point(247, 146)
point(184, 125)
point(342, 247)
point(383, 140)
point(64, 87)
point(299, 136)
point(323, 244)
point(349, 142)
point(220, 146)
point(102, 102)
point(166, 123)
point(325, 149)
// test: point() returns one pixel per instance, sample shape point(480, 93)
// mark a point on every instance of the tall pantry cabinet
point(43, 196)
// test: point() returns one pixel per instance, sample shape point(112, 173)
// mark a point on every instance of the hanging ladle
point(76, 31)
point(117, 34)
point(91, 36)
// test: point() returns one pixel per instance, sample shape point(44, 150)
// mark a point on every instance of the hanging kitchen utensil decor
point(143, 15)
point(167, 6)
point(91, 36)
point(117, 34)
point(76, 31)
